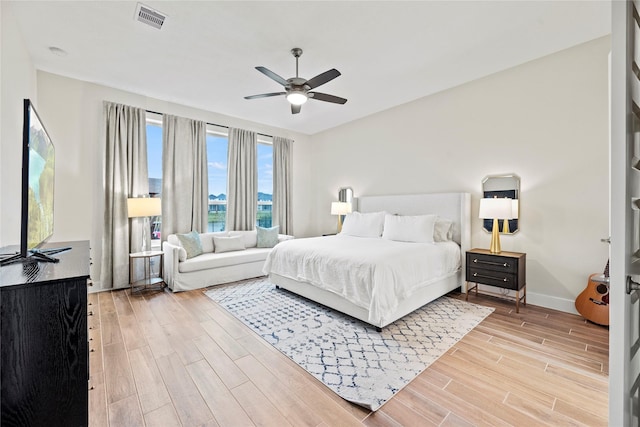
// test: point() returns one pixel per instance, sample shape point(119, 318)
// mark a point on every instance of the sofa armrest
point(283, 237)
point(171, 260)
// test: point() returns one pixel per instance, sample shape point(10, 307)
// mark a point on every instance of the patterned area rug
point(361, 365)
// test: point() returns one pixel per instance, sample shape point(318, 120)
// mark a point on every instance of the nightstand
point(505, 270)
point(148, 283)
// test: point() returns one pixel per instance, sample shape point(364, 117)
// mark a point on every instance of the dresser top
point(503, 253)
point(73, 263)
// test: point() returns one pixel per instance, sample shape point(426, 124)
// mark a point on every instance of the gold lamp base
point(495, 238)
point(339, 223)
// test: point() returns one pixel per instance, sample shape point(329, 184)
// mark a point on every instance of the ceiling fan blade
point(273, 76)
point(328, 98)
point(323, 78)
point(265, 95)
point(295, 109)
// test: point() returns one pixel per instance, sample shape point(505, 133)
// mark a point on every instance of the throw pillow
point(191, 243)
point(442, 230)
point(363, 224)
point(228, 244)
point(267, 237)
point(418, 229)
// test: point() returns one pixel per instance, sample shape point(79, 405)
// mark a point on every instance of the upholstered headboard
point(454, 206)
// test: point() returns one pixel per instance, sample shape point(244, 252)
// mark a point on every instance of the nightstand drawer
point(492, 262)
point(493, 278)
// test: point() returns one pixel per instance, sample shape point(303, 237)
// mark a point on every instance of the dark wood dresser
point(505, 270)
point(44, 369)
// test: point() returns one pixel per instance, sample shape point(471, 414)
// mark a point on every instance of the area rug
point(358, 363)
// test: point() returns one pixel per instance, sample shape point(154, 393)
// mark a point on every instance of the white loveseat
point(210, 268)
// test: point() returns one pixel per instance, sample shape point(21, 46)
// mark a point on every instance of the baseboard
point(555, 303)
point(542, 300)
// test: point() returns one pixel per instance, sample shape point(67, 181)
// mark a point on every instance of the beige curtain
point(282, 191)
point(125, 176)
point(242, 180)
point(184, 175)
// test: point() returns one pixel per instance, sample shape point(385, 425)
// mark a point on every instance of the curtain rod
point(212, 124)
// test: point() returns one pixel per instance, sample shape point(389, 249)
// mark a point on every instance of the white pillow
point(363, 224)
point(228, 243)
point(402, 228)
point(250, 237)
point(207, 240)
point(443, 230)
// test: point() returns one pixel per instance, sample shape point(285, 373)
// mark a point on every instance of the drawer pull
point(505, 279)
point(477, 261)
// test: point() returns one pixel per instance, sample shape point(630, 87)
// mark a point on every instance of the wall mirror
point(507, 185)
point(345, 194)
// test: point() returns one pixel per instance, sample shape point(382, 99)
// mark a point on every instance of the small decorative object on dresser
point(505, 270)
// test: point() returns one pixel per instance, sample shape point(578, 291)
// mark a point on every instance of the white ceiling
point(389, 52)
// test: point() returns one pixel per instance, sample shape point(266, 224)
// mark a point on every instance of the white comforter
point(372, 273)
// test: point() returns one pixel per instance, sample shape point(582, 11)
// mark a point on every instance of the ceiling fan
point(297, 89)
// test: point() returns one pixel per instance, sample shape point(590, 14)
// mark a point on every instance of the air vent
point(149, 16)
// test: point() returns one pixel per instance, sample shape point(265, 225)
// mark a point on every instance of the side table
point(505, 270)
point(148, 282)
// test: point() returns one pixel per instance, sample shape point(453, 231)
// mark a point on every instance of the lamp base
point(145, 227)
point(495, 238)
point(505, 227)
point(339, 223)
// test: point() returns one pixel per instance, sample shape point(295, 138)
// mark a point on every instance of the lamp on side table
point(144, 207)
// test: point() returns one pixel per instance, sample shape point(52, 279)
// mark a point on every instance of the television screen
point(37, 181)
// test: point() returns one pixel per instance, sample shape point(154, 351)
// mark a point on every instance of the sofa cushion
point(250, 237)
point(267, 237)
point(191, 243)
point(212, 260)
point(228, 244)
point(207, 240)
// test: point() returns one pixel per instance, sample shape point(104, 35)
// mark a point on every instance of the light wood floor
point(169, 359)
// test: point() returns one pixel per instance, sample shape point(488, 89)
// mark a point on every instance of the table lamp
point(514, 215)
point(340, 209)
point(144, 207)
point(496, 209)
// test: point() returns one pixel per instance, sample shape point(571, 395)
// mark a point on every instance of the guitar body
point(593, 301)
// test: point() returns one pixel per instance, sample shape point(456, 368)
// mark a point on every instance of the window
point(217, 147)
point(217, 150)
point(265, 183)
point(154, 166)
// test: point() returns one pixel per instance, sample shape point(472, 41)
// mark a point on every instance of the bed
point(292, 265)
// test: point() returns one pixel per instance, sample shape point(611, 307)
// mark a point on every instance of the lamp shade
point(496, 208)
point(515, 209)
point(144, 206)
point(340, 208)
point(297, 97)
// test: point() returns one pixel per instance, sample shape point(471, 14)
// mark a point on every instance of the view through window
point(217, 149)
point(154, 166)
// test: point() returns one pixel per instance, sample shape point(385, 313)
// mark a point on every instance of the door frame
point(620, 217)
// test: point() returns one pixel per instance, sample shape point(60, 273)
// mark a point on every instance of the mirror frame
point(509, 188)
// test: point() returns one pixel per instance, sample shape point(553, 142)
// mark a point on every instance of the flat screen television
point(38, 175)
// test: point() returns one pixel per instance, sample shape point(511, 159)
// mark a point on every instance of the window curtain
point(125, 176)
point(282, 172)
point(184, 176)
point(242, 182)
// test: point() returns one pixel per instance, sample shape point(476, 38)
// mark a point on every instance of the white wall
point(546, 121)
point(17, 82)
point(72, 112)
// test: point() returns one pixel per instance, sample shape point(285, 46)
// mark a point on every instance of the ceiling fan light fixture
point(297, 98)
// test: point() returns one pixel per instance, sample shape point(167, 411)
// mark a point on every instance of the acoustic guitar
point(593, 301)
